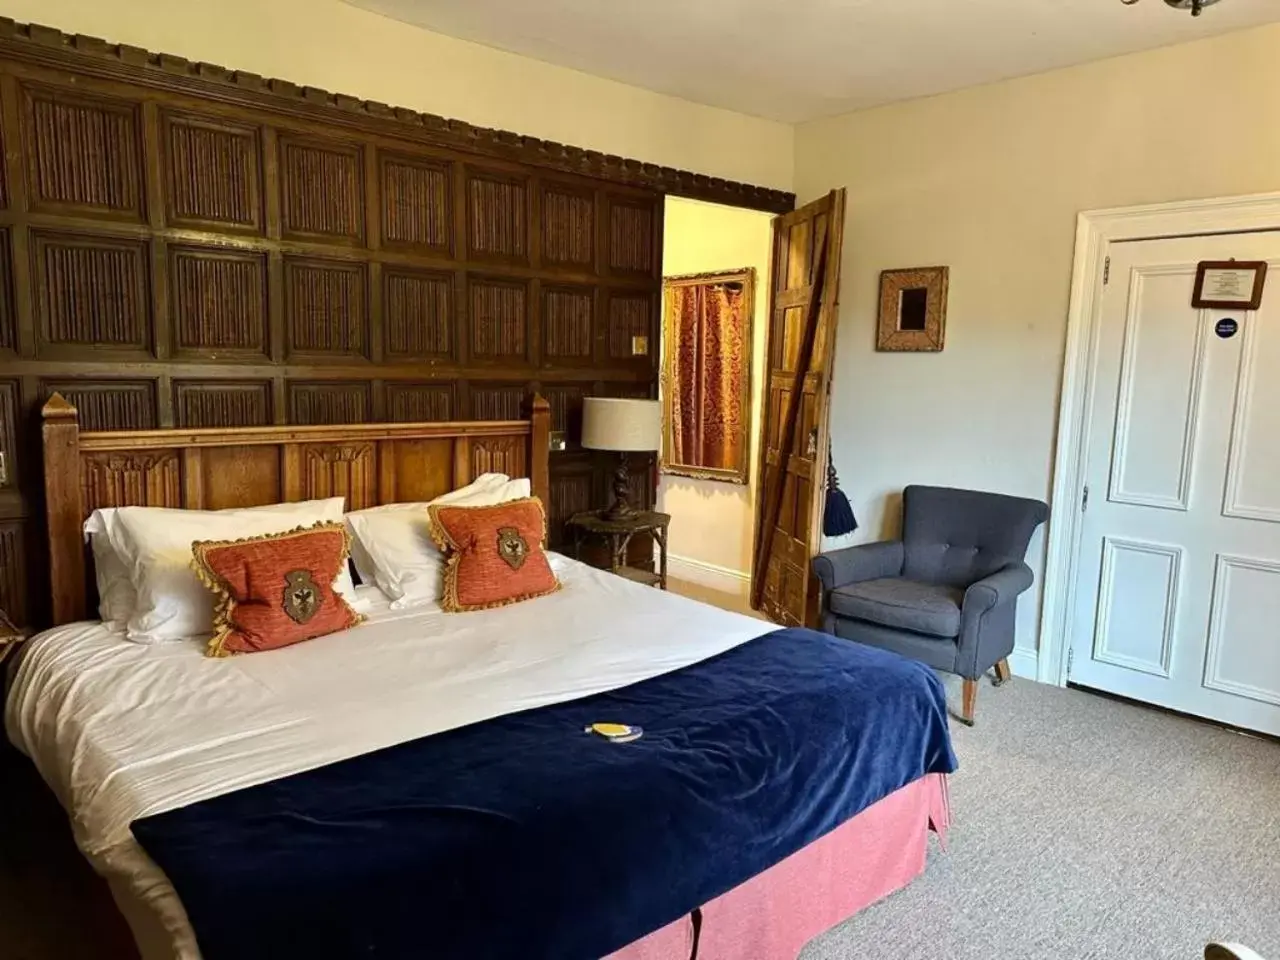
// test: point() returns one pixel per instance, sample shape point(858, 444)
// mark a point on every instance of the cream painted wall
point(711, 522)
point(989, 181)
point(343, 49)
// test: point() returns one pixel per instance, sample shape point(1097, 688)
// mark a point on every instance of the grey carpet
point(1089, 828)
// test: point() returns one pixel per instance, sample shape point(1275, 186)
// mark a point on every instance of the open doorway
point(711, 534)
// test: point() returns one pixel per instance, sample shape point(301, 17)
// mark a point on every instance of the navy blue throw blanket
point(524, 837)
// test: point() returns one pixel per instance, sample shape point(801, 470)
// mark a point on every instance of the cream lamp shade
point(622, 425)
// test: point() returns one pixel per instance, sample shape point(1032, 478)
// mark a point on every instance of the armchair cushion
point(866, 561)
point(927, 608)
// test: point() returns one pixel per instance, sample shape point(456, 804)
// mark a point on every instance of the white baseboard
point(710, 575)
point(1023, 663)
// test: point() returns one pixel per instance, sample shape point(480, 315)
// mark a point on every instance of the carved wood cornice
point(44, 45)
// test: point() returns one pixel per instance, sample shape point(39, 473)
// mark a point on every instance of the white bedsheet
point(122, 730)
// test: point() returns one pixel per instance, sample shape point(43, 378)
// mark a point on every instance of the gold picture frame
point(738, 471)
point(913, 310)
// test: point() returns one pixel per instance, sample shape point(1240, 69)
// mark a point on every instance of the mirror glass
point(706, 375)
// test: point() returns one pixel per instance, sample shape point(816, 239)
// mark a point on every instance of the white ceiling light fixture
point(1195, 6)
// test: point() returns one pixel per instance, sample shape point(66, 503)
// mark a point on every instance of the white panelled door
point(1177, 600)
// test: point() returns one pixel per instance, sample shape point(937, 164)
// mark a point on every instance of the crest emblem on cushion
point(512, 547)
point(301, 596)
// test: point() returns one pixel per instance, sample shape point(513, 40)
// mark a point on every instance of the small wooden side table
point(619, 533)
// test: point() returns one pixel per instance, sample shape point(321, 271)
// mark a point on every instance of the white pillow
point(394, 540)
point(154, 544)
point(360, 557)
point(116, 595)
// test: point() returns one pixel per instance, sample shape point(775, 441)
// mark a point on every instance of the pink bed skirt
point(775, 913)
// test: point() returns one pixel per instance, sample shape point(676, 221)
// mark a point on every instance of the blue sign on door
point(1226, 328)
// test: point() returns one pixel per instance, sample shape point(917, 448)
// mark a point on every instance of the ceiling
point(795, 60)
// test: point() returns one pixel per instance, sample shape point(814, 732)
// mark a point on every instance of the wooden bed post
point(63, 509)
point(540, 451)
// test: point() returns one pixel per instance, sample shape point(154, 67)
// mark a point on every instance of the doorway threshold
point(1106, 694)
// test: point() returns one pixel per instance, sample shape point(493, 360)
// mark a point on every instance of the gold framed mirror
point(706, 374)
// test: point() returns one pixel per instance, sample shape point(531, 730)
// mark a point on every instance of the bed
point(167, 763)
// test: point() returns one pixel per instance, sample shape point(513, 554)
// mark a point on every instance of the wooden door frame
point(1096, 230)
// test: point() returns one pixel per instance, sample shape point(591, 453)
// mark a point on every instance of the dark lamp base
point(621, 509)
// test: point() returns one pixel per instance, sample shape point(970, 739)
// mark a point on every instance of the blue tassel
point(837, 516)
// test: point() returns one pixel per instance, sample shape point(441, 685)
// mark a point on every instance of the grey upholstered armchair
point(945, 594)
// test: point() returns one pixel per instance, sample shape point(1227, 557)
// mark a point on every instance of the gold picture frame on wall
point(913, 310)
point(706, 375)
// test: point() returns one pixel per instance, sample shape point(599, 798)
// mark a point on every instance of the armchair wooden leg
point(970, 697)
point(1003, 673)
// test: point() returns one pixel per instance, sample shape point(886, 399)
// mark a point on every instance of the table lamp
point(623, 426)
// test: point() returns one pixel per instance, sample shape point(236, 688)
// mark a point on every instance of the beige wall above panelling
point(989, 181)
point(337, 47)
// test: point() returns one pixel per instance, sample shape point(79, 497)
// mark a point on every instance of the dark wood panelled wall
point(185, 246)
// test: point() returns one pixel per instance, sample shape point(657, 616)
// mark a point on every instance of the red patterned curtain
point(682, 307)
point(708, 399)
point(722, 394)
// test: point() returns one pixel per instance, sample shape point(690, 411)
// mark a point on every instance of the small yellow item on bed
point(615, 732)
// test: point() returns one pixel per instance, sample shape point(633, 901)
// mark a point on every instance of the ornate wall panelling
point(498, 216)
point(321, 186)
point(16, 559)
point(417, 207)
point(182, 246)
point(16, 536)
point(326, 307)
point(427, 402)
point(10, 405)
point(568, 325)
point(218, 303)
point(418, 314)
point(329, 401)
point(566, 406)
point(91, 293)
point(568, 227)
point(495, 401)
point(635, 229)
point(108, 404)
point(631, 335)
point(222, 403)
point(576, 487)
point(8, 310)
point(83, 153)
point(499, 311)
point(213, 173)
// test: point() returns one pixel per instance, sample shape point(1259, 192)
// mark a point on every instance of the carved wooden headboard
point(370, 464)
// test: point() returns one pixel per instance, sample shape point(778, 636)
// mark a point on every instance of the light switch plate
point(639, 346)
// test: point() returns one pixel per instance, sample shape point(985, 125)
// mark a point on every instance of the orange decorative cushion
point(494, 554)
point(275, 590)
